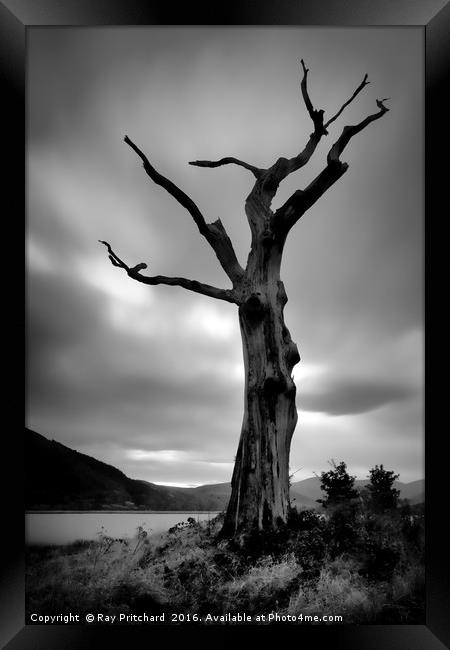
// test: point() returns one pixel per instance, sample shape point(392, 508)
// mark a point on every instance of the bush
point(263, 588)
point(340, 590)
point(309, 540)
point(381, 545)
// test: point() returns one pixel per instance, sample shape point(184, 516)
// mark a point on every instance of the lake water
point(68, 527)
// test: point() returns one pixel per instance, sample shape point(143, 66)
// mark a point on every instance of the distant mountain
point(310, 488)
point(60, 478)
point(299, 500)
point(414, 491)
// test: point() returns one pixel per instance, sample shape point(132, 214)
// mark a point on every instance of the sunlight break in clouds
point(161, 455)
point(117, 286)
point(205, 319)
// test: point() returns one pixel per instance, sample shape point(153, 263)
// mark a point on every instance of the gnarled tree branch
point(316, 115)
point(192, 285)
point(302, 200)
point(362, 85)
point(349, 131)
point(229, 160)
point(304, 156)
point(320, 129)
point(220, 242)
point(175, 191)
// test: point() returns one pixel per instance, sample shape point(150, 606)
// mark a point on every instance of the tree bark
point(260, 483)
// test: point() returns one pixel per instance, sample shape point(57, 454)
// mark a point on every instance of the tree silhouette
point(341, 503)
point(383, 496)
point(338, 486)
point(260, 483)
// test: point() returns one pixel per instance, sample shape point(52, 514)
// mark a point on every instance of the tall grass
point(379, 580)
point(189, 570)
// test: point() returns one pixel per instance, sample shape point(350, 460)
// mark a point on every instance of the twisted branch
point(217, 237)
point(362, 85)
point(191, 285)
point(229, 160)
point(320, 129)
point(349, 131)
point(315, 115)
point(302, 200)
point(175, 191)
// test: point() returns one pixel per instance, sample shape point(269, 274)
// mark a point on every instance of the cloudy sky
point(150, 379)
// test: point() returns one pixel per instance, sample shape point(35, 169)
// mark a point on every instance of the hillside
point(60, 478)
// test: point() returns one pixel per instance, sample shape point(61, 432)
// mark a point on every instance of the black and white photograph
point(225, 326)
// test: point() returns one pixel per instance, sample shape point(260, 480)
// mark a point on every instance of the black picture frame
point(433, 16)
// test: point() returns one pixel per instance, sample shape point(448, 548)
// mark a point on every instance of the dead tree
point(260, 482)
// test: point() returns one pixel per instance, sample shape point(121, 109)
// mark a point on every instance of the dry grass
point(187, 570)
point(340, 590)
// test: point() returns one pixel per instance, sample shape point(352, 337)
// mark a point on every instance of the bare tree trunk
point(260, 482)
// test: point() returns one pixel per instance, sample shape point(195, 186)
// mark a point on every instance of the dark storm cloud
point(61, 310)
point(68, 322)
point(150, 378)
point(62, 316)
point(106, 393)
point(341, 396)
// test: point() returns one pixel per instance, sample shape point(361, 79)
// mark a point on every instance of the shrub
point(308, 540)
point(381, 546)
point(340, 590)
point(264, 587)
